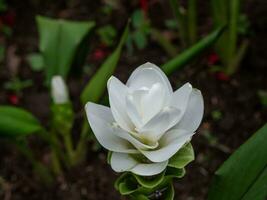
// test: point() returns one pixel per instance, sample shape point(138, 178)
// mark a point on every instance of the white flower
point(59, 91)
point(147, 123)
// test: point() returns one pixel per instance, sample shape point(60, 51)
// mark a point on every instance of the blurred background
point(234, 86)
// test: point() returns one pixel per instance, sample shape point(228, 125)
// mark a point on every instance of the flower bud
point(59, 91)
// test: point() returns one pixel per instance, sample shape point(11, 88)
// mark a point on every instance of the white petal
point(149, 169)
point(181, 96)
point(134, 141)
point(153, 101)
point(146, 75)
point(170, 144)
point(132, 110)
point(117, 96)
point(100, 120)
point(159, 124)
point(121, 162)
point(194, 112)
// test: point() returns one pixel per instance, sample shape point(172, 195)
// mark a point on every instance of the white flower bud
point(59, 90)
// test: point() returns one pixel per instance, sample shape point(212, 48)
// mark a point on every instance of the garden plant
point(102, 100)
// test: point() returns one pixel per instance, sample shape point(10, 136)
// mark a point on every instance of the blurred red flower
point(144, 5)
point(13, 99)
point(213, 59)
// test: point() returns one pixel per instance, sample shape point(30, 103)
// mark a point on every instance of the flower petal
point(132, 106)
point(149, 169)
point(194, 112)
point(159, 124)
point(121, 162)
point(100, 120)
point(153, 102)
point(130, 138)
point(146, 75)
point(170, 144)
point(117, 95)
point(181, 96)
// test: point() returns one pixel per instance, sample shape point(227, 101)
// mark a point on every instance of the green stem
point(39, 168)
point(234, 8)
point(69, 147)
point(192, 21)
point(55, 150)
point(164, 43)
point(81, 147)
point(232, 68)
point(180, 20)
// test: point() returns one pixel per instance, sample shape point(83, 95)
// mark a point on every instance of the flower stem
point(81, 147)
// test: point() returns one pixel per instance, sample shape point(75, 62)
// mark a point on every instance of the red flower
point(9, 18)
point(213, 59)
point(98, 54)
point(13, 99)
point(222, 76)
point(144, 5)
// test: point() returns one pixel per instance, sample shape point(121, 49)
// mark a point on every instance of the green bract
point(140, 187)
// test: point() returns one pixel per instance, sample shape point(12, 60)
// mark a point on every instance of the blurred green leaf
point(188, 55)
point(216, 115)
point(17, 122)
point(96, 87)
point(182, 157)
point(139, 39)
point(244, 175)
point(107, 34)
point(3, 5)
point(263, 97)
point(59, 41)
point(2, 52)
point(138, 18)
point(17, 85)
point(36, 61)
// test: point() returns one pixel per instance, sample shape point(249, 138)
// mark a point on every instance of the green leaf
point(94, 90)
point(244, 175)
point(187, 56)
point(263, 97)
point(140, 39)
point(107, 34)
point(17, 122)
point(36, 61)
point(59, 41)
point(182, 157)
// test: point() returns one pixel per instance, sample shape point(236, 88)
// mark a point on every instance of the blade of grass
point(96, 87)
point(187, 56)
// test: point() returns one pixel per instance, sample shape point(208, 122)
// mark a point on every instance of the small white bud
point(59, 91)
